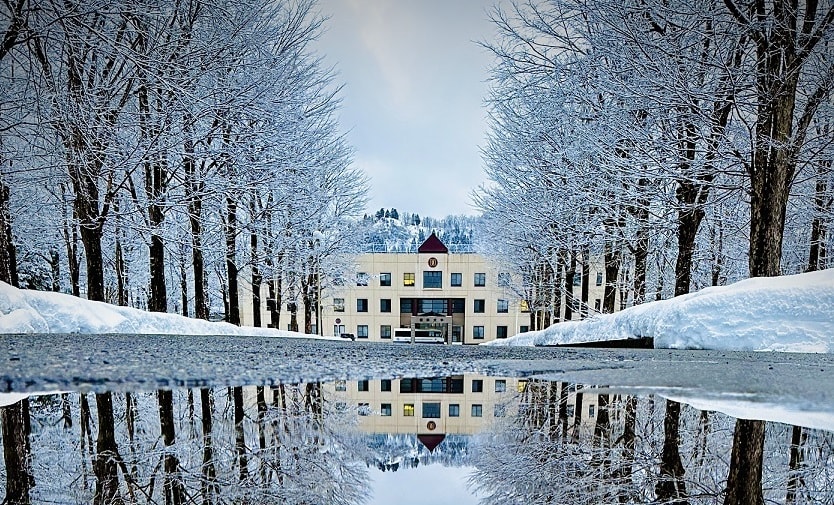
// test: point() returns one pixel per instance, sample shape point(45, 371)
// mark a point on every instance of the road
point(800, 384)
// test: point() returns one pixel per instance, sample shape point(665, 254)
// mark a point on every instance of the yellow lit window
point(408, 279)
point(523, 306)
point(522, 384)
point(408, 410)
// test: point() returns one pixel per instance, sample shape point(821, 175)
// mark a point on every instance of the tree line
point(687, 140)
point(161, 154)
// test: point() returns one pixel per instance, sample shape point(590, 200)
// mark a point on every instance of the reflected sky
point(425, 484)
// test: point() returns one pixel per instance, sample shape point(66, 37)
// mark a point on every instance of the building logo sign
point(432, 262)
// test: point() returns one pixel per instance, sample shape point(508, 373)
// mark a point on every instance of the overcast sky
point(415, 81)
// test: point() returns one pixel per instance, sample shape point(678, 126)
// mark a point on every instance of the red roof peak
point(433, 245)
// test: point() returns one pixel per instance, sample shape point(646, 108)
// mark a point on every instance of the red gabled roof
point(433, 245)
point(431, 441)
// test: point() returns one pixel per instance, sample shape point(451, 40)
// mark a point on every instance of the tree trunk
point(586, 282)
point(261, 401)
point(71, 243)
point(563, 410)
point(106, 466)
point(744, 483)
point(183, 284)
point(194, 188)
point(8, 256)
point(819, 225)
point(173, 485)
point(256, 273)
point(613, 259)
point(17, 452)
point(689, 220)
point(231, 260)
point(796, 479)
point(208, 485)
point(569, 275)
point(624, 485)
point(577, 415)
point(671, 486)
point(240, 438)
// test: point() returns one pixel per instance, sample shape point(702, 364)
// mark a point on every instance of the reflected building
point(453, 405)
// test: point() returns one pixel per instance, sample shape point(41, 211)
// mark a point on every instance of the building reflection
point(530, 441)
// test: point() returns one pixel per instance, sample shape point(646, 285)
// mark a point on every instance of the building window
point(591, 412)
point(598, 305)
point(480, 280)
point(458, 305)
point(437, 306)
point(457, 280)
point(408, 410)
point(577, 279)
point(361, 305)
point(338, 305)
point(569, 411)
point(454, 410)
point(503, 279)
point(362, 279)
point(408, 279)
point(500, 385)
point(477, 386)
point(362, 385)
point(364, 409)
point(385, 331)
point(478, 332)
point(521, 386)
point(385, 409)
point(523, 306)
point(362, 331)
point(385, 305)
point(523, 329)
point(499, 410)
point(431, 410)
point(599, 278)
point(432, 279)
point(477, 410)
point(501, 332)
point(503, 306)
point(480, 306)
point(385, 279)
point(341, 386)
point(405, 305)
point(385, 385)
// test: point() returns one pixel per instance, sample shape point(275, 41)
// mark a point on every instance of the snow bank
point(792, 313)
point(24, 311)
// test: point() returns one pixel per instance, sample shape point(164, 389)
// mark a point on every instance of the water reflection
point(528, 441)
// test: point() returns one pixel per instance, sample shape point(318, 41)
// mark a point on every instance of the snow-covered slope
point(24, 311)
point(793, 313)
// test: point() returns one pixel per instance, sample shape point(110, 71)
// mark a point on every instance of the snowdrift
point(793, 313)
point(24, 311)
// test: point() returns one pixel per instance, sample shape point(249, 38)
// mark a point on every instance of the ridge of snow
point(25, 311)
point(791, 313)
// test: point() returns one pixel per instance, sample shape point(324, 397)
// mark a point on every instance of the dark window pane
point(431, 410)
point(432, 279)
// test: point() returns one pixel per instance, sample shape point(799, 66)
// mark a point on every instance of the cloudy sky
point(415, 81)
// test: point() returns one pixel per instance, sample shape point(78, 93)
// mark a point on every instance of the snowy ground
point(24, 311)
point(793, 313)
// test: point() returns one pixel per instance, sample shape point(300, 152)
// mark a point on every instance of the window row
point(432, 410)
point(432, 279)
point(478, 332)
point(428, 385)
point(425, 305)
